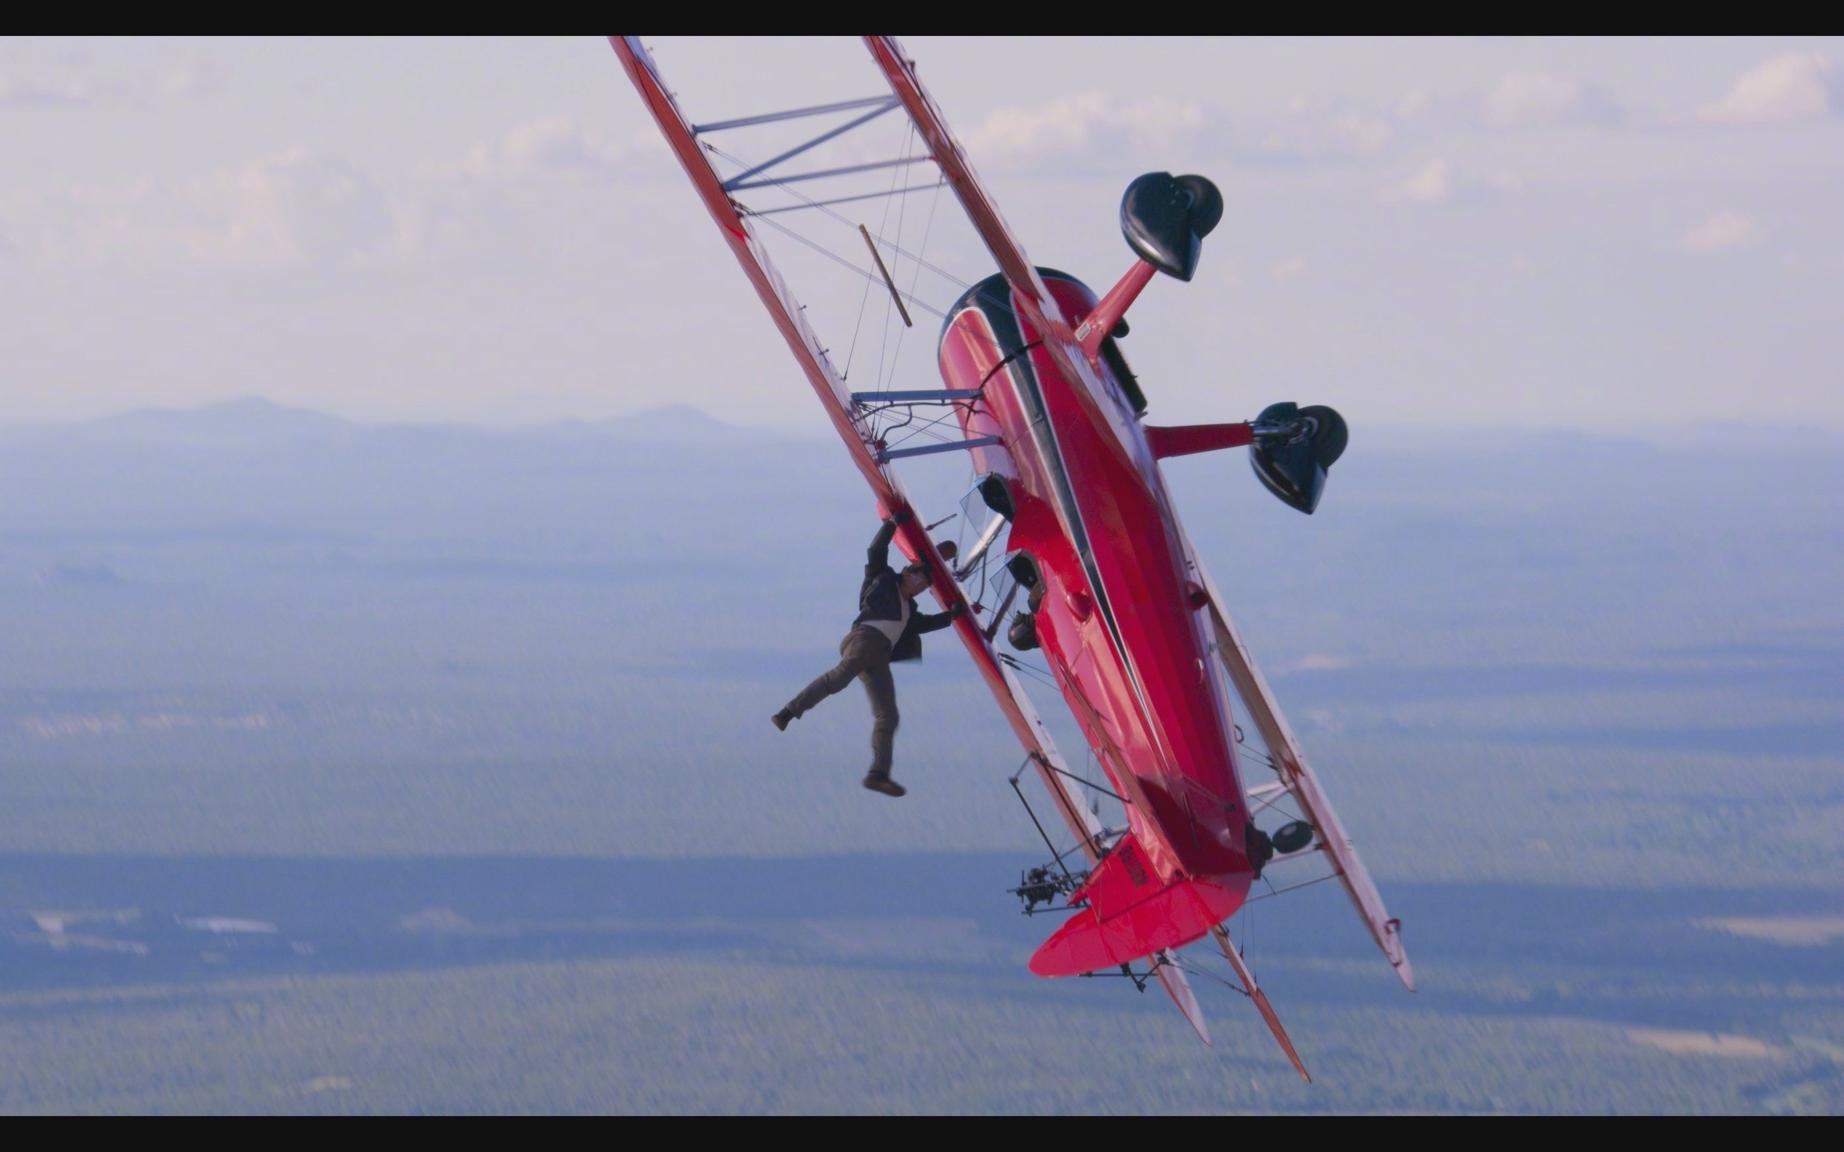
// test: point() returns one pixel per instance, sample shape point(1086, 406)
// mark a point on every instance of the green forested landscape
point(427, 769)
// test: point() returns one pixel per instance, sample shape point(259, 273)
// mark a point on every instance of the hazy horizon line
point(1664, 434)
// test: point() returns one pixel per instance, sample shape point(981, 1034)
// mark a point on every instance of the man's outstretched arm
point(940, 620)
point(877, 558)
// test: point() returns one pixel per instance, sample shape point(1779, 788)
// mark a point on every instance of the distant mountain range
point(252, 419)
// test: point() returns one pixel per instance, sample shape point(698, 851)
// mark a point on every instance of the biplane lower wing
point(835, 397)
point(1300, 781)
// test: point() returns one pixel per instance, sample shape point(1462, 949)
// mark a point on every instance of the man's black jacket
point(880, 598)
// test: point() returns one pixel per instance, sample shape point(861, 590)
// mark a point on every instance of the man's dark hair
point(922, 570)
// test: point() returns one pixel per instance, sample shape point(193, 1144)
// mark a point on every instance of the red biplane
point(1116, 603)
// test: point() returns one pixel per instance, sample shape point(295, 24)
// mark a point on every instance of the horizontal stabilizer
point(1131, 914)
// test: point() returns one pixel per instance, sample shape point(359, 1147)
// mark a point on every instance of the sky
point(1578, 234)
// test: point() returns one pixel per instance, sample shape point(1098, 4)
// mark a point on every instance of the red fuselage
point(1122, 620)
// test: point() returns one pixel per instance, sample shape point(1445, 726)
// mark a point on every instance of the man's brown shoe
point(884, 784)
point(781, 719)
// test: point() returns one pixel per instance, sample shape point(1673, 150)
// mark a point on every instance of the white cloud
point(1080, 124)
point(1724, 229)
point(42, 92)
point(291, 206)
point(1415, 102)
point(1157, 123)
point(1063, 125)
point(546, 144)
point(48, 84)
point(322, 207)
point(1794, 86)
point(1319, 129)
point(1430, 184)
point(1439, 182)
point(194, 76)
point(646, 139)
point(1537, 99)
point(243, 212)
point(1503, 180)
point(1086, 125)
point(1290, 269)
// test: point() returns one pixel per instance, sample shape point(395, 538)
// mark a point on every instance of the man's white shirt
point(893, 629)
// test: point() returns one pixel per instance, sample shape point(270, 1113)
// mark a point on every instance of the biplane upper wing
point(836, 398)
point(1297, 776)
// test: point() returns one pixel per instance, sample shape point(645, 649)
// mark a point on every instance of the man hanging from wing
point(888, 628)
